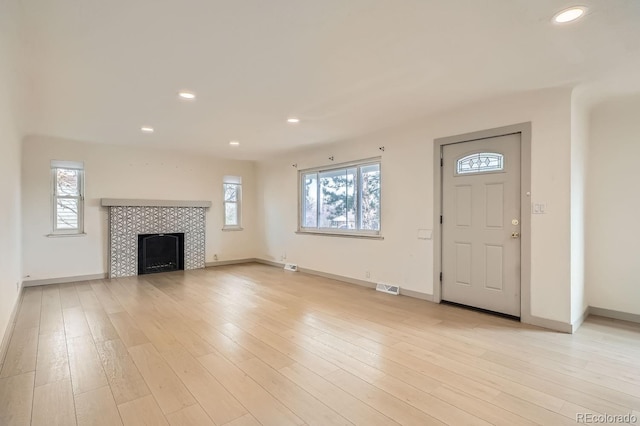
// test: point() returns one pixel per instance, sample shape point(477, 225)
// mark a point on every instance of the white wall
point(407, 193)
point(10, 135)
point(579, 176)
point(113, 171)
point(613, 228)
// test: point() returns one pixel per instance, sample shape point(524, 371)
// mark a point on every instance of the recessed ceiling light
point(147, 129)
point(187, 95)
point(569, 15)
point(293, 120)
point(234, 143)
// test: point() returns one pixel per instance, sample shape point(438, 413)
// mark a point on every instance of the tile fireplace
point(129, 219)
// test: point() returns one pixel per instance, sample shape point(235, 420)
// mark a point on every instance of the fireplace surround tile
point(126, 222)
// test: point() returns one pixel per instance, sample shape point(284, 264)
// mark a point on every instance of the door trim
point(524, 129)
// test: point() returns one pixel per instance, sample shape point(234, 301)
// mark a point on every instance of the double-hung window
point(67, 197)
point(341, 200)
point(232, 190)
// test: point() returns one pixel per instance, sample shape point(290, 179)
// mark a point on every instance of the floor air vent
point(391, 289)
point(291, 267)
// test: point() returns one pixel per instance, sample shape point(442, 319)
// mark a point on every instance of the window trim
point(70, 165)
point(237, 181)
point(335, 232)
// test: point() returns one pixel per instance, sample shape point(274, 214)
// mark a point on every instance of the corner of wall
point(8, 331)
point(612, 268)
point(579, 178)
point(11, 124)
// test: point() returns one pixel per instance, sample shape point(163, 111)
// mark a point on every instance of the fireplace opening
point(160, 253)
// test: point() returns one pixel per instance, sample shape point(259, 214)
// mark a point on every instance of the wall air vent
point(391, 289)
point(291, 267)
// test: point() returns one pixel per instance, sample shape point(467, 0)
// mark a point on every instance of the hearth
point(160, 253)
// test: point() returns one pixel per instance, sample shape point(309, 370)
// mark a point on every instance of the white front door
point(481, 223)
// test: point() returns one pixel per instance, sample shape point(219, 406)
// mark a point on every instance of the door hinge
point(440, 219)
point(440, 276)
point(441, 162)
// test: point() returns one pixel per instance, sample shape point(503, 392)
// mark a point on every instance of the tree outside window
point(345, 199)
point(232, 192)
point(68, 197)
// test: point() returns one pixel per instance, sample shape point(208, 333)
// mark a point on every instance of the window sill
point(232, 229)
point(80, 234)
point(340, 234)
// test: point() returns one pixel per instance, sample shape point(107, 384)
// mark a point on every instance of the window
point(342, 200)
point(68, 197)
point(481, 162)
point(232, 189)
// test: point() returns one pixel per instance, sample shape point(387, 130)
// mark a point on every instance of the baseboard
point(416, 294)
point(577, 323)
point(8, 332)
point(355, 281)
point(342, 278)
point(62, 280)
point(550, 324)
point(362, 283)
point(609, 313)
point(269, 262)
point(228, 262)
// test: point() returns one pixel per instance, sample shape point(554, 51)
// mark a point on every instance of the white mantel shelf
point(127, 202)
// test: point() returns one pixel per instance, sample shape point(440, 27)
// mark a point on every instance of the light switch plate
point(538, 208)
point(424, 234)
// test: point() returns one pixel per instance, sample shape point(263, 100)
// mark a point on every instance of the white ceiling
point(101, 69)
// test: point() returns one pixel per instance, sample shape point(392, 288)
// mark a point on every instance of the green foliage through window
point(345, 199)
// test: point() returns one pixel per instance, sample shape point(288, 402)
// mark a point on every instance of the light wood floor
point(252, 344)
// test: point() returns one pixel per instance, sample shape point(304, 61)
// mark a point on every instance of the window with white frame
point(341, 200)
point(68, 197)
point(232, 189)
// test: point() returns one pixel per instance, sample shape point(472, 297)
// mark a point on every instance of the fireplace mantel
point(126, 202)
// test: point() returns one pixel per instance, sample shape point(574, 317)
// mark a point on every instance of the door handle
point(515, 235)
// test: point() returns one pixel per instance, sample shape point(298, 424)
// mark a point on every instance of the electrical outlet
point(367, 274)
